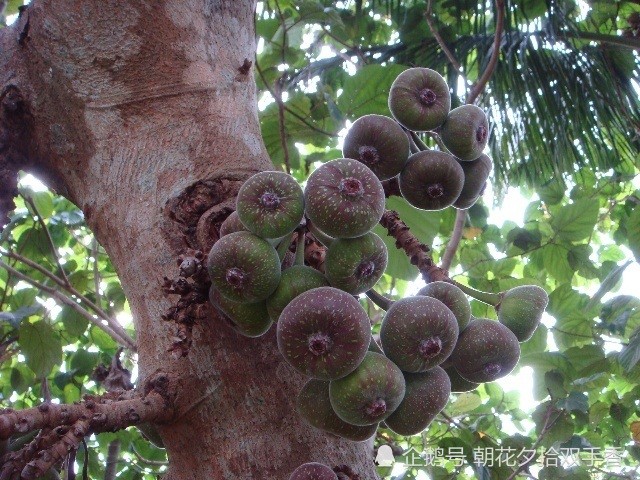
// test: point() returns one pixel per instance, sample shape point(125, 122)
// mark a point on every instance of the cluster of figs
point(429, 344)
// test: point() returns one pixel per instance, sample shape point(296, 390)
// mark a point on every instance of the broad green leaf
point(633, 232)
point(41, 346)
point(575, 222)
point(466, 402)
point(74, 323)
point(630, 354)
point(367, 91)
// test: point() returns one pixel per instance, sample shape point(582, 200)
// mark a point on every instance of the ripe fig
point(431, 180)
point(314, 405)
point(476, 173)
point(374, 347)
point(426, 395)
point(465, 132)
point(344, 198)
point(356, 264)
point(418, 333)
point(232, 224)
point(293, 281)
point(244, 267)
point(521, 309)
point(419, 99)
point(313, 471)
point(248, 319)
point(324, 333)
point(486, 351)
point(459, 384)
point(270, 204)
point(378, 142)
point(369, 394)
point(454, 298)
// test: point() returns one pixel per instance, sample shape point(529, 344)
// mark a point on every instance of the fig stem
point(322, 237)
point(439, 142)
point(283, 247)
point(492, 299)
point(379, 299)
point(418, 141)
point(300, 248)
point(412, 145)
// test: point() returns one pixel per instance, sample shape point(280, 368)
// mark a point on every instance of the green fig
point(465, 132)
point(454, 298)
point(344, 198)
point(476, 173)
point(249, 319)
point(419, 99)
point(418, 333)
point(293, 281)
point(324, 333)
point(232, 224)
point(426, 395)
point(244, 267)
point(369, 394)
point(270, 204)
point(356, 264)
point(378, 142)
point(314, 405)
point(431, 180)
point(521, 308)
point(486, 350)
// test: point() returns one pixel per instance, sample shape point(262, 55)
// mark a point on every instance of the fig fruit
point(418, 333)
point(324, 333)
point(426, 395)
point(356, 264)
point(313, 471)
point(344, 198)
point(459, 384)
point(270, 204)
point(419, 99)
point(369, 394)
point(232, 224)
point(248, 319)
point(476, 173)
point(314, 405)
point(293, 281)
point(486, 350)
point(454, 298)
point(465, 132)
point(244, 267)
point(521, 308)
point(431, 180)
point(378, 142)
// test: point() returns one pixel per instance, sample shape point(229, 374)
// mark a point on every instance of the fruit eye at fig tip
point(235, 277)
point(435, 190)
point(352, 187)
point(427, 97)
point(269, 200)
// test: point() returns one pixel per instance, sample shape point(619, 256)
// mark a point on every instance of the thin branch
point(380, 300)
point(52, 245)
point(481, 83)
point(111, 468)
point(454, 241)
point(154, 463)
point(436, 34)
point(122, 339)
point(281, 125)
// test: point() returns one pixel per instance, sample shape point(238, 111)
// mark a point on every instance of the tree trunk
point(140, 113)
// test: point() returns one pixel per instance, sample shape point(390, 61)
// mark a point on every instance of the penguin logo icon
point(385, 456)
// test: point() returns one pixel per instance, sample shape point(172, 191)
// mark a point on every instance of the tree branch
point(454, 241)
point(436, 34)
point(121, 338)
point(417, 251)
point(113, 455)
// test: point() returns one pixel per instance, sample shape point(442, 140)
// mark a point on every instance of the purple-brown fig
point(378, 142)
point(465, 132)
point(486, 350)
point(356, 264)
point(431, 180)
point(344, 198)
point(270, 204)
point(248, 319)
point(369, 394)
point(459, 384)
point(244, 267)
point(419, 99)
point(293, 281)
point(418, 333)
point(426, 395)
point(324, 333)
point(476, 173)
point(313, 471)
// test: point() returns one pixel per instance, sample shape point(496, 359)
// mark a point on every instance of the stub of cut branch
point(418, 252)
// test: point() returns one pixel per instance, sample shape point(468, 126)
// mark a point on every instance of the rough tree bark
point(141, 114)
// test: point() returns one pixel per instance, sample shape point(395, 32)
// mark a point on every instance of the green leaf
point(633, 232)
point(575, 222)
point(14, 318)
point(466, 402)
point(630, 354)
point(41, 346)
point(556, 261)
point(74, 323)
point(367, 91)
